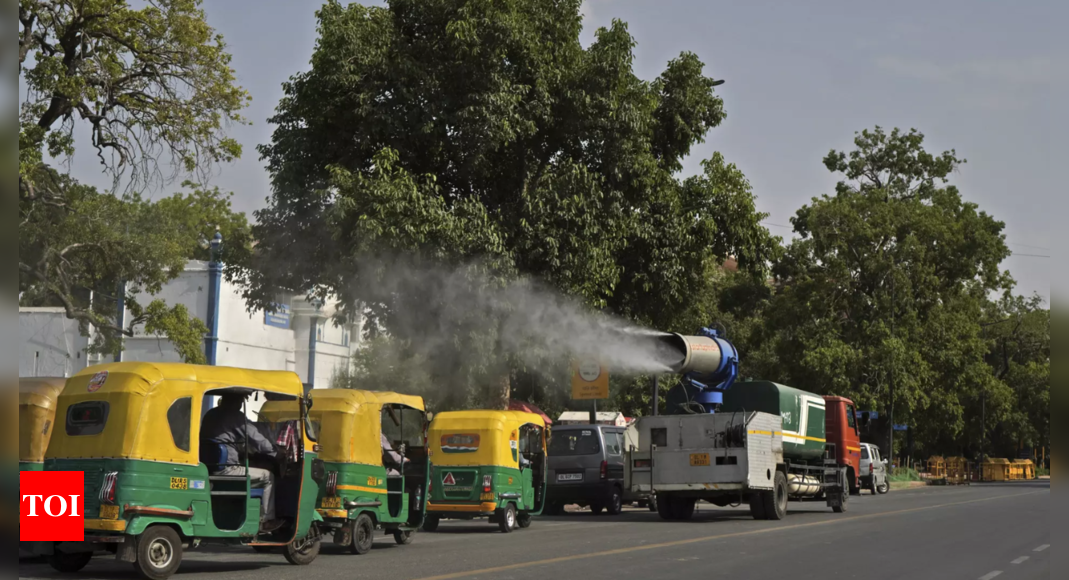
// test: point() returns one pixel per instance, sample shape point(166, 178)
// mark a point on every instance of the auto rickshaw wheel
point(507, 519)
point(159, 553)
point(363, 536)
point(304, 551)
point(403, 538)
point(524, 520)
point(69, 563)
point(430, 524)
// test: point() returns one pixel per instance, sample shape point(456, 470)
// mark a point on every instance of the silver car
point(874, 470)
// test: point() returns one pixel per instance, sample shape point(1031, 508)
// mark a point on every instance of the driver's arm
point(258, 443)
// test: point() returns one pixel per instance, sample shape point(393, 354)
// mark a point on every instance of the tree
point(483, 135)
point(882, 293)
point(152, 86)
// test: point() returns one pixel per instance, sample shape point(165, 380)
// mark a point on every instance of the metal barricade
point(957, 471)
point(1024, 469)
point(997, 470)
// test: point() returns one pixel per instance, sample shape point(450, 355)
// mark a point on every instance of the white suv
point(873, 470)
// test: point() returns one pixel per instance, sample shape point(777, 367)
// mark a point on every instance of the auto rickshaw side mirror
point(308, 403)
point(430, 416)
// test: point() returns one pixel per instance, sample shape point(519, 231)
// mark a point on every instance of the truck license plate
point(569, 477)
point(699, 460)
point(109, 512)
point(332, 503)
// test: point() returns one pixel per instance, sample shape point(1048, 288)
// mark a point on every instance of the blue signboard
point(280, 318)
point(901, 427)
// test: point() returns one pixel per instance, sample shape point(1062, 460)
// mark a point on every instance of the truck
point(754, 443)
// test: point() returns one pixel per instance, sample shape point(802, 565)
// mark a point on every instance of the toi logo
point(52, 506)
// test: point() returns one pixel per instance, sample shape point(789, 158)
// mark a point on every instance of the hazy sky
point(802, 77)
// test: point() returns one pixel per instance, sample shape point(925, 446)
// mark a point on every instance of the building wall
point(50, 345)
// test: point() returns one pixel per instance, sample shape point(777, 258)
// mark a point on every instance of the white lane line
point(1042, 548)
point(992, 575)
point(1020, 560)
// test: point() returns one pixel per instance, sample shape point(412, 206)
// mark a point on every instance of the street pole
point(894, 358)
point(656, 394)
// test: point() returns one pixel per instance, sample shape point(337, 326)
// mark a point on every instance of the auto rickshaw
point(37, 414)
point(365, 488)
point(488, 464)
point(152, 480)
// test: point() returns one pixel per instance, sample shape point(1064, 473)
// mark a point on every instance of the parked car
point(874, 470)
point(586, 468)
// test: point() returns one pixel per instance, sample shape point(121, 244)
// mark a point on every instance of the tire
point(362, 537)
point(776, 502)
point(844, 507)
point(664, 508)
point(159, 553)
point(430, 524)
point(884, 488)
point(757, 506)
point(403, 538)
point(69, 563)
point(304, 552)
point(652, 504)
point(507, 521)
point(524, 520)
point(615, 504)
point(683, 508)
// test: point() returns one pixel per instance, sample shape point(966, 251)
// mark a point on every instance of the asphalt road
point(980, 532)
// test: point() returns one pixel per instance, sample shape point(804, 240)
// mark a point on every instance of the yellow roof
point(495, 435)
point(40, 392)
point(485, 419)
point(143, 378)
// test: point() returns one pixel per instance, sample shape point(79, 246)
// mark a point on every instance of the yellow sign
point(590, 380)
point(331, 503)
point(700, 460)
point(179, 483)
point(109, 512)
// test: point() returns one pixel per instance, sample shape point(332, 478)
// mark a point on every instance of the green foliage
point(458, 132)
point(904, 475)
point(153, 86)
point(74, 255)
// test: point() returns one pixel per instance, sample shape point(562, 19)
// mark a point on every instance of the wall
point(50, 345)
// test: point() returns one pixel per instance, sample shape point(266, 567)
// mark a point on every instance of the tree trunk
point(501, 392)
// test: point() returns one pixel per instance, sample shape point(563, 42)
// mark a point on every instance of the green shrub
point(904, 475)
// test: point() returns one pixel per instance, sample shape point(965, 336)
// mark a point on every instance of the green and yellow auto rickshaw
point(37, 414)
point(487, 464)
point(375, 456)
point(155, 484)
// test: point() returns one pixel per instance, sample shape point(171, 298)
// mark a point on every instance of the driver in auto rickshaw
point(227, 425)
point(393, 461)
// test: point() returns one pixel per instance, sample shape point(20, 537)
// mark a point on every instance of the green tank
point(803, 415)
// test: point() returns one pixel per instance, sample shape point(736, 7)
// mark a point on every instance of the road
point(980, 532)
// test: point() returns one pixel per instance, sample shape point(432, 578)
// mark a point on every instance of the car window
point(179, 418)
point(87, 418)
point(865, 452)
point(614, 443)
point(875, 454)
point(571, 443)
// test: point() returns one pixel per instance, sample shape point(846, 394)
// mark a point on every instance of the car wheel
point(507, 521)
point(363, 535)
point(69, 563)
point(159, 553)
point(430, 524)
point(403, 538)
point(884, 487)
point(616, 502)
point(304, 551)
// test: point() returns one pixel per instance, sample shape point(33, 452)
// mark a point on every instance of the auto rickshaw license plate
point(109, 512)
point(332, 503)
point(699, 460)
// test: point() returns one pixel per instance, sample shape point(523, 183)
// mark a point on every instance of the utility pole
point(656, 394)
point(894, 359)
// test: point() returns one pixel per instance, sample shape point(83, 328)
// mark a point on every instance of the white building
point(603, 418)
point(300, 337)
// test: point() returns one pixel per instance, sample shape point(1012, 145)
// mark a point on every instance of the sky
point(980, 77)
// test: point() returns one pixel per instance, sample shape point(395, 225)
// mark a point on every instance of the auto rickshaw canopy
point(478, 438)
point(37, 415)
point(140, 401)
point(349, 421)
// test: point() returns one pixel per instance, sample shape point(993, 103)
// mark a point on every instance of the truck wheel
point(69, 563)
point(507, 521)
point(757, 506)
point(159, 553)
point(430, 524)
point(363, 536)
point(615, 505)
point(844, 500)
point(664, 508)
point(776, 502)
point(684, 508)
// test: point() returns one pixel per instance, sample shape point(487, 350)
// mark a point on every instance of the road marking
point(632, 549)
point(1020, 560)
point(1042, 548)
point(991, 576)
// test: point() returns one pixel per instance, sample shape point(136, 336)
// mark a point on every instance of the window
point(321, 329)
point(865, 453)
point(851, 417)
point(614, 442)
point(87, 418)
point(659, 437)
point(577, 442)
point(179, 417)
point(345, 336)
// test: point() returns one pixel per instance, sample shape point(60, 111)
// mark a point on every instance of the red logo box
point(52, 506)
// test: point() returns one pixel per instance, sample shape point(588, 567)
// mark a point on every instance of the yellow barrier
point(937, 467)
point(1024, 469)
point(957, 471)
point(997, 470)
